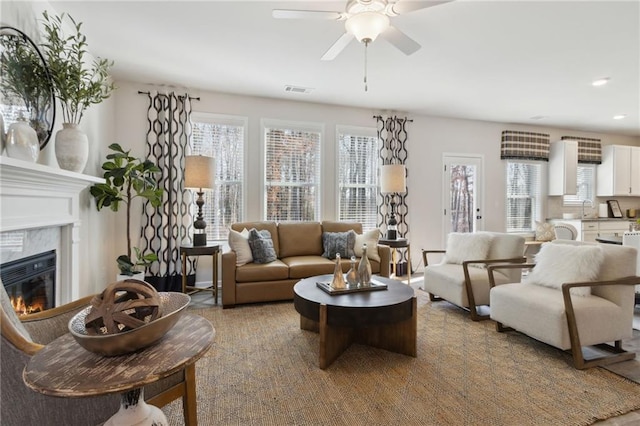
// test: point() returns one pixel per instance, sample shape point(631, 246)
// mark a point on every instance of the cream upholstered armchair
point(23, 406)
point(462, 278)
point(578, 297)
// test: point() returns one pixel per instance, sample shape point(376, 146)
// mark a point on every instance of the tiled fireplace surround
point(40, 211)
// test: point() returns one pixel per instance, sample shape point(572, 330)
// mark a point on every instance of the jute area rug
point(263, 370)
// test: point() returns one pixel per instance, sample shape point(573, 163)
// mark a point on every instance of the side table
point(64, 368)
point(396, 244)
point(188, 250)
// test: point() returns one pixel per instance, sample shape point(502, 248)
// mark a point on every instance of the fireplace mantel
point(37, 196)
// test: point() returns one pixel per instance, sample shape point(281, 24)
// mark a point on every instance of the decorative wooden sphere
point(123, 306)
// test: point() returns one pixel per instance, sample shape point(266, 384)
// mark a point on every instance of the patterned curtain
point(392, 148)
point(524, 145)
point(165, 228)
point(589, 150)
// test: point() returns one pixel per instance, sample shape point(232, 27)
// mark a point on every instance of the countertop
point(596, 219)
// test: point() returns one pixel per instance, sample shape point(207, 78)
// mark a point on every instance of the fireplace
point(30, 282)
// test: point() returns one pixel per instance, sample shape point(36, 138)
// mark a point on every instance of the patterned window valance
point(524, 146)
point(589, 150)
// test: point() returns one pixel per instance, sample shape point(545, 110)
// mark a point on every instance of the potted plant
point(76, 85)
point(127, 178)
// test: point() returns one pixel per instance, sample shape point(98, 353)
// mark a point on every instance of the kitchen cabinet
point(589, 230)
point(563, 167)
point(619, 173)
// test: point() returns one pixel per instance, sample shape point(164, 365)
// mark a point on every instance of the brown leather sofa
point(298, 246)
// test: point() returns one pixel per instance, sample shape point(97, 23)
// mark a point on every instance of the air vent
point(297, 89)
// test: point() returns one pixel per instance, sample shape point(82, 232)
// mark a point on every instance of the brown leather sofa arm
point(427, 252)
point(385, 260)
point(228, 279)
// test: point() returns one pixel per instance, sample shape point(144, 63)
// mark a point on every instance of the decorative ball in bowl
point(127, 316)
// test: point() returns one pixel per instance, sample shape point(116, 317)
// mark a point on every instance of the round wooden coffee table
point(384, 319)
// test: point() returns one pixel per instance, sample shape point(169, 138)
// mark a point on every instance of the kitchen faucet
point(590, 205)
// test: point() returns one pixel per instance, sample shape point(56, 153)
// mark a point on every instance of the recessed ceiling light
point(600, 81)
point(619, 116)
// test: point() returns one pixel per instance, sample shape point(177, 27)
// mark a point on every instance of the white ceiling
point(504, 61)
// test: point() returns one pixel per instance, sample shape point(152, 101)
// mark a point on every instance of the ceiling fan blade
point(402, 7)
point(337, 47)
point(306, 14)
point(400, 40)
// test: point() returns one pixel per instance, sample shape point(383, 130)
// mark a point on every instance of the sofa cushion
point(307, 266)
point(557, 264)
point(270, 226)
point(370, 238)
point(338, 243)
point(462, 246)
point(261, 246)
point(331, 226)
point(239, 243)
point(262, 272)
point(299, 239)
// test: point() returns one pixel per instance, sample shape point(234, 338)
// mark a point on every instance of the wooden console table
point(64, 368)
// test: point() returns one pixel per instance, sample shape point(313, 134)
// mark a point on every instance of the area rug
point(263, 370)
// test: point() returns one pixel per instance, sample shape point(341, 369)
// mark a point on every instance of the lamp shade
point(367, 25)
point(393, 179)
point(199, 171)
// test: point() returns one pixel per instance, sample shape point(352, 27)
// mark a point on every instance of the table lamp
point(393, 181)
point(199, 173)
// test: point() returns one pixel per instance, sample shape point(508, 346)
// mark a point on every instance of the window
point(358, 176)
point(524, 195)
point(292, 171)
point(586, 186)
point(222, 137)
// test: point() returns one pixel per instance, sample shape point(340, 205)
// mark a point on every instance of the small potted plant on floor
point(127, 178)
point(76, 84)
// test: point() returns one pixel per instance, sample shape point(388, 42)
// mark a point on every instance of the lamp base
point(392, 234)
point(199, 240)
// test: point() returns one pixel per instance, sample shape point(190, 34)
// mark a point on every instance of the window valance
point(524, 146)
point(589, 150)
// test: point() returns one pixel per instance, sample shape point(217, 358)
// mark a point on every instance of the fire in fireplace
point(30, 282)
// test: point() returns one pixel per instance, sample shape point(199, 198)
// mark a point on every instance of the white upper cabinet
point(563, 168)
point(619, 173)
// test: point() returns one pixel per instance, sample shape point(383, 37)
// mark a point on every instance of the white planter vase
point(136, 276)
point(22, 141)
point(72, 148)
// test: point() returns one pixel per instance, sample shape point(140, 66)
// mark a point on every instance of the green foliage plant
point(127, 178)
point(76, 85)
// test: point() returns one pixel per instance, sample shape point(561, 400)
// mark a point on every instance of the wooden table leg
point(333, 340)
point(215, 277)
point(184, 272)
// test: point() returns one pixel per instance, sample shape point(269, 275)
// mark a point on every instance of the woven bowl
point(173, 304)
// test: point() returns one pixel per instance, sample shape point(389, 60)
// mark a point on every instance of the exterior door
point(462, 193)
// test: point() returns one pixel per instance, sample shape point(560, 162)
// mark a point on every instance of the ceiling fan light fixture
point(366, 26)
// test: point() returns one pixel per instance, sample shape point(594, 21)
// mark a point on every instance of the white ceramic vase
point(72, 148)
point(22, 141)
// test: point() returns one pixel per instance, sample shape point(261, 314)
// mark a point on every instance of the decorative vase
point(352, 275)
point(3, 135)
point(364, 268)
point(22, 141)
point(72, 148)
point(338, 278)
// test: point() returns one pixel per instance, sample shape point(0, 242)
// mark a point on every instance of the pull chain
point(366, 44)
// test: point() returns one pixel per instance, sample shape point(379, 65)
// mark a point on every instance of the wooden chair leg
point(189, 406)
point(500, 328)
point(435, 298)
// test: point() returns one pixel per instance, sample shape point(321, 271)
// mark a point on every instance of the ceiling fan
point(365, 20)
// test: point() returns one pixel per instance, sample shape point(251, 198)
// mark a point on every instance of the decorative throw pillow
point(462, 246)
point(261, 246)
point(239, 243)
point(370, 238)
point(545, 231)
point(338, 242)
point(557, 264)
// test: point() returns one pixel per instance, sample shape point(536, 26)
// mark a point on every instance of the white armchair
point(578, 297)
point(462, 278)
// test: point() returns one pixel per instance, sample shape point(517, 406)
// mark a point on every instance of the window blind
point(524, 195)
point(292, 173)
point(358, 177)
point(222, 138)
point(586, 186)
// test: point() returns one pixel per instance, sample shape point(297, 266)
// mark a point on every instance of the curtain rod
point(406, 119)
point(148, 93)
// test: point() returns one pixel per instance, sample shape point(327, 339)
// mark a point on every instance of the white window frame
point(356, 131)
point(230, 120)
point(303, 126)
point(575, 200)
point(539, 207)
